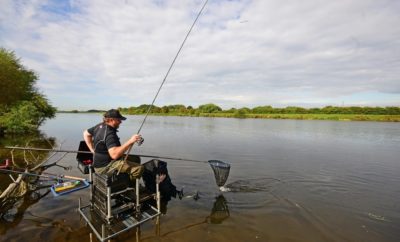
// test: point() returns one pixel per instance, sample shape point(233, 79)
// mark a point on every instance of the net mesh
point(221, 171)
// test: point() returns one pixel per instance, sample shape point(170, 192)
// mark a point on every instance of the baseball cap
point(114, 113)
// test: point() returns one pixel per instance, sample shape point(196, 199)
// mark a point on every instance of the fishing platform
point(116, 205)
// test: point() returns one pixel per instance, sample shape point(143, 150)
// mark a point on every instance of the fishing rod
point(221, 169)
point(49, 176)
point(88, 152)
point(165, 77)
point(44, 149)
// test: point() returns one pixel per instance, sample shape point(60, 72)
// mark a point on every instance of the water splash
point(224, 189)
point(377, 217)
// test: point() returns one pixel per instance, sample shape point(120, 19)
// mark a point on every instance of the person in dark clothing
point(103, 141)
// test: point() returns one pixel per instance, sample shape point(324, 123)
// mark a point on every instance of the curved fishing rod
point(165, 77)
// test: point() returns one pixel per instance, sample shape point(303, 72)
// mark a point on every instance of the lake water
point(290, 180)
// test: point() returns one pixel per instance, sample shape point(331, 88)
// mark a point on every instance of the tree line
point(180, 109)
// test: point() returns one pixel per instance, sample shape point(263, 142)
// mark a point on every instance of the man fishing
point(103, 141)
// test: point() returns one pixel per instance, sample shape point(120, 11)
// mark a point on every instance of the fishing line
point(166, 75)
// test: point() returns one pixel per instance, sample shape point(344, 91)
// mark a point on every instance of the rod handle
point(74, 178)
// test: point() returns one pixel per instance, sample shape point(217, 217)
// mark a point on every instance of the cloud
point(103, 54)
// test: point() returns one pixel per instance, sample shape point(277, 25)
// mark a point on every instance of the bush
point(21, 118)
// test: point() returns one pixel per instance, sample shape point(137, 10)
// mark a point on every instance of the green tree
point(392, 110)
point(16, 82)
point(209, 108)
point(177, 108)
point(165, 109)
point(241, 113)
point(292, 109)
point(263, 109)
point(22, 107)
point(315, 110)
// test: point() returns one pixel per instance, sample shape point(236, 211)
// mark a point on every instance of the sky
point(101, 54)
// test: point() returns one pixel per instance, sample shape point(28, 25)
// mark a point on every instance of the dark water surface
point(290, 181)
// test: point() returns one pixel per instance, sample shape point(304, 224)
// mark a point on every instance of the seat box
point(84, 159)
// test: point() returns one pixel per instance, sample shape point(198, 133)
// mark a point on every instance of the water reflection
point(11, 216)
point(219, 213)
point(18, 192)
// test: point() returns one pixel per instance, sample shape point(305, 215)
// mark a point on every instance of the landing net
point(221, 171)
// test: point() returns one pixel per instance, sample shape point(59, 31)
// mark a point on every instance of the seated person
point(108, 153)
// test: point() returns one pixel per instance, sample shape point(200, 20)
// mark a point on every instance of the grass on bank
point(335, 117)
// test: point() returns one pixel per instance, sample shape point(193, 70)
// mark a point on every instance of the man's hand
point(135, 138)
point(117, 151)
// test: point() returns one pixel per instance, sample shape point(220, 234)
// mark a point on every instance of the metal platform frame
point(107, 226)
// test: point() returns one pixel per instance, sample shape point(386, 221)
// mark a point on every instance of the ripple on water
point(250, 193)
point(250, 185)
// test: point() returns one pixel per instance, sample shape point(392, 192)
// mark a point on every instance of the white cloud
point(240, 53)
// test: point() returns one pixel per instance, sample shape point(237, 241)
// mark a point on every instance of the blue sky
point(312, 53)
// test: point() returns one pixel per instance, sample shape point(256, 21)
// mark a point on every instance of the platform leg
point(108, 204)
point(103, 232)
point(91, 183)
point(138, 234)
point(137, 198)
point(158, 226)
point(158, 197)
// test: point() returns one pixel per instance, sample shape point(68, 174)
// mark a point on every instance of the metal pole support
point(109, 204)
point(137, 197)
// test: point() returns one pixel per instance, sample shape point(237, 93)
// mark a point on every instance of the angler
point(103, 141)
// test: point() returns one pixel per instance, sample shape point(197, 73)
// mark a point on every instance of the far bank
point(332, 117)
